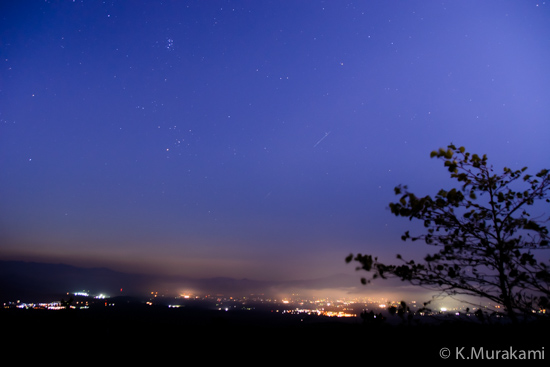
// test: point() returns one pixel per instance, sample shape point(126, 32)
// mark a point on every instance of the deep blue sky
point(258, 139)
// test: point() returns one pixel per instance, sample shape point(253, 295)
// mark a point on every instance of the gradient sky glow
point(258, 139)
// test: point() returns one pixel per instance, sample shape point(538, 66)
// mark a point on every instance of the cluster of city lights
point(319, 313)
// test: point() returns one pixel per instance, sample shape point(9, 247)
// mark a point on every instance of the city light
point(290, 305)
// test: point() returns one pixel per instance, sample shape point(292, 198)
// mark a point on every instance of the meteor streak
point(320, 140)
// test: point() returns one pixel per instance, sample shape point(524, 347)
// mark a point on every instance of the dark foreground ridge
point(136, 329)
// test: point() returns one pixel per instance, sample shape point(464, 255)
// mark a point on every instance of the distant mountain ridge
point(33, 281)
point(23, 280)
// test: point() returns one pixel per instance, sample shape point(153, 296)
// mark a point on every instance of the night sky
point(257, 139)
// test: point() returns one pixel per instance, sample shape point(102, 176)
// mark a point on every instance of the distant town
point(291, 305)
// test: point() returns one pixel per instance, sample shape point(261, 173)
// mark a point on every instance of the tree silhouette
point(486, 238)
point(68, 303)
point(403, 311)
